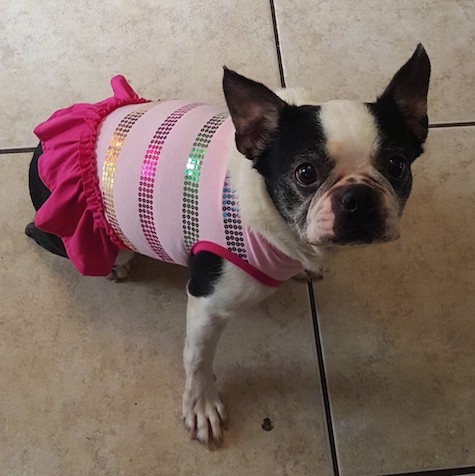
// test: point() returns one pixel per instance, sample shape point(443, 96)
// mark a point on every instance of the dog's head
point(338, 173)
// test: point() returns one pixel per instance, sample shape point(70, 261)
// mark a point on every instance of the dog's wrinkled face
point(332, 175)
point(338, 173)
point(358, 202)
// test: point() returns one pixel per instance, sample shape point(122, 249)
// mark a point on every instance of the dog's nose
point(358, 199)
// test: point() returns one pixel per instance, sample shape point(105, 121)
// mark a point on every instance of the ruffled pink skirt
point(75, 211)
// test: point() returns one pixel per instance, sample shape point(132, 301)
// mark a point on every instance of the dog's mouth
point(354, 237)
point(360, 237)
point(353, 215)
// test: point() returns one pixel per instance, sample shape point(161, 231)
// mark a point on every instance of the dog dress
point(127, 173)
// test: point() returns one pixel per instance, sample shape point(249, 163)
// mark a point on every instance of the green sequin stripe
point(192, 179)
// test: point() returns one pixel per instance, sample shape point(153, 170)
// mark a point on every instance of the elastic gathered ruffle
point(75, 211)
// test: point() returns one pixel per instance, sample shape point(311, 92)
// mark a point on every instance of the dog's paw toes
point(119, 273)
point(30, 230)
point(205, 420)
point(314, 276)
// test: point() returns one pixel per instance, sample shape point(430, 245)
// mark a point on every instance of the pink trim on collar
point(236, 260)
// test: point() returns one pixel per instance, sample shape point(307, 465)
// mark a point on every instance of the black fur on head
point(277, 137)
point(401, 111)
point(255, 111)
point(401, 117)
point(287, 143)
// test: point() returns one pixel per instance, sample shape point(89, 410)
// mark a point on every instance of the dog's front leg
point(213, 297)
point(204, 414)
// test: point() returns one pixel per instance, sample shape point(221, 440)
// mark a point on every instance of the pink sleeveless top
point(126, 173)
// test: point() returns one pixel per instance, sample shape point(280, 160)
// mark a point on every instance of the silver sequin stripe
point(232, 222)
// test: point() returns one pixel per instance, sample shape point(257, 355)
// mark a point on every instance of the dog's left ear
point(255, 111)
point(408, 92)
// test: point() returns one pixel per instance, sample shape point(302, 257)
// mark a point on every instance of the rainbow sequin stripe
point(190, 213)
point(147, 179)
point(110, 165)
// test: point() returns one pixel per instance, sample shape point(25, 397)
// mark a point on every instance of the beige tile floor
point(398, 327)
point(62, 52)
point(91, 375)
point(349, 48)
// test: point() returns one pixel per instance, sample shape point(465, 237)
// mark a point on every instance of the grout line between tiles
point(467, 470)
point(323, 380)
point(277, 44)
point(443, 125)
point(17, 150)
point(313, 308)
point(435, 125)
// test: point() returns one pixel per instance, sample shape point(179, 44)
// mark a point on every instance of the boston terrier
point(246, 197)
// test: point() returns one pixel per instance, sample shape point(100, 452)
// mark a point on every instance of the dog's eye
point(397, 166)
point(306, 174)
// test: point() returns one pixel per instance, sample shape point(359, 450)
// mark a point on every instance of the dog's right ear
point(255, 111)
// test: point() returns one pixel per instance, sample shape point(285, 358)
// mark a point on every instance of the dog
point(289, 180)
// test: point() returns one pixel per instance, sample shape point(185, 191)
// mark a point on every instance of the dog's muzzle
point(358, 216)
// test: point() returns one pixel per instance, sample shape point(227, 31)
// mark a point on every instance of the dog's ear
point(255, 111)
point(408, 92)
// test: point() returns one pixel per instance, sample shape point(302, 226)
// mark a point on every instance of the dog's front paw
point(204, 416)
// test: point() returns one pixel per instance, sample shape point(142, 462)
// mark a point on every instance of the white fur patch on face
point(352, 142)
point(351, 133)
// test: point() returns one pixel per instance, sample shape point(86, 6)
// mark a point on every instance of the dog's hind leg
point(49, 242)
point(121, 269)
point(39, 193)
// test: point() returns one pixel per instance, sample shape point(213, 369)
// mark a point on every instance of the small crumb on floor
point(267, 424)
